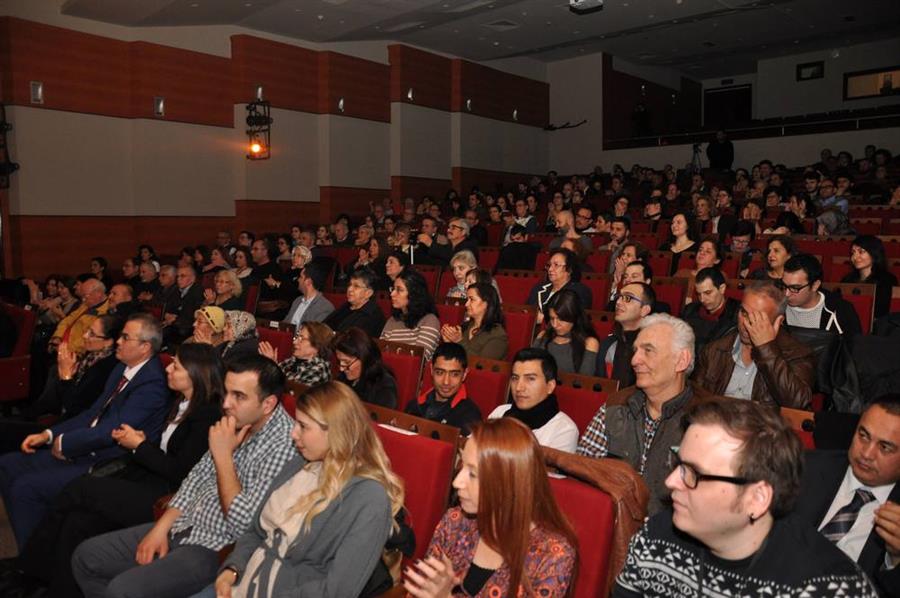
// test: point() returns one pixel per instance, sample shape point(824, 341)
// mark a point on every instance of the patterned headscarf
point(243, 325)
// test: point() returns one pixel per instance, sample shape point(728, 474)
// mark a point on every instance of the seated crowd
point(157, 457)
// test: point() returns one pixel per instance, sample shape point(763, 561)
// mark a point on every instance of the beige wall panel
point(354, 152)
point(420, 141)
point(487, 144)
point(576, 93)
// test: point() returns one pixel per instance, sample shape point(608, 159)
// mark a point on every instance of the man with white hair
point(459, 240)
point(638, 424)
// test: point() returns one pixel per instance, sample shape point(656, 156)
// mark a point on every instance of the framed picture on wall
point(811, 70)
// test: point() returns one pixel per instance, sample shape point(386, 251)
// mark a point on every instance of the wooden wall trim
point(364, 85)
point(417, 187)
point(488, 181)
point(267, 216)
point(286, 73)
point(348, 200)
point(495, 94)
point(427, 74)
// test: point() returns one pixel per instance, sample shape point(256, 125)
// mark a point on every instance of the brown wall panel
point(496, 94)
point(195, 86)
point(347, 200)
point(263, 216)
point(287, 73)
point(364, 85)
point(488, 181)
point(417, 187)
point(426, 73)
point(80, 72)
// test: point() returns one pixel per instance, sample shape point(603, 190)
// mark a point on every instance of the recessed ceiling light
point(320, 17)
point(650, 16)
point(341, 22)
point(195, 4)
point(248, 4)
point(496, 43)
point(576, 32)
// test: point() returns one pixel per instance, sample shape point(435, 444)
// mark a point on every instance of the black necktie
point(844, 519)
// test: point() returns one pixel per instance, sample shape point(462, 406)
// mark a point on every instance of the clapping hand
point(431, 578)
point(128, 437)
point(209, 296)
point(451, 334)
point(267, 350)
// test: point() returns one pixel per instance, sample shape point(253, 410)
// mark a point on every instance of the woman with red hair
point(507, 531)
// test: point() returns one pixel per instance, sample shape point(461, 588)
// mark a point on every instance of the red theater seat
point(599, 284)
point(515, 285)
point(519, 326)
point(431, 275)
point(671, 290)
point(406, 363)
point(281, 340)
point(425, 466)
point(451, 314)
point(251, 295)
point(15, 370)
point(603, 322)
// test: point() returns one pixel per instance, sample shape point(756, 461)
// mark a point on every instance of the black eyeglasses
point(791, 288)
point(691, 477)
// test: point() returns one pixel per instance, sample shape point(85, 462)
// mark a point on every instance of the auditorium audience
point(634, 302)
point(461, 263)
point(362, 369)
point(99, 270)
point(563, 272)
point(779, 250)
point(519, 253)
point(134, 394)
point(870, 267)
point(310, 362)
point(360, 310)
point(214, 506)
point(209, 326)
point(148, 282)
point(71, 329)
point(483, 546)
point(811, 306)
point(311, 305)
point(714, 314)
point(568, 336)
point(448, 399)
point(240, 337)
point(122, 493)
point(394, 265)
point(735, 477)
point(243, 263)
point(531, 384)
point(682, 238)
point(760, 361)
point(482, 334)
point(227, 292)
point(179, 321)
point(413, 318)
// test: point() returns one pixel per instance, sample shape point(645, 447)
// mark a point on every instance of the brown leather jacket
point(786, 370)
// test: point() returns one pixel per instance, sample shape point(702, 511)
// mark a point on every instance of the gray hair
point(466, 257)
point(461, 223)
point(168, 268)
point(770, 290)
point(99, 283)
point(236, 287)
point(151, 330)
point(682, 334)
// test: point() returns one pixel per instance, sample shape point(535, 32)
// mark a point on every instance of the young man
point(531, 384)
point(448, 400)
point(811, 307)
point(714, 314)
point(633, 303)
point(735, 476)
point(179, 554)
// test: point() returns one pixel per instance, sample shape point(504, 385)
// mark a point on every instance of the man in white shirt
point(861, 487)
point(531, 384)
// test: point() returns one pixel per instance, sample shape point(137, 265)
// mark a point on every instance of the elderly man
point(179, 322)
point(148, 284)
point(531, 385)
point(121, 299)
point(734, 477)
point(759, 361)
point(361, 309)
point(135, 394)
point(72, 328)
point(167, 295)
point(860, 488)
point(640, 423)
point(457, 240)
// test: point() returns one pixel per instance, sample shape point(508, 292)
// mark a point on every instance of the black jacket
point(460, 412)
point(884, 282)
point(518, 256)
point(68, 398)
point(368, 317)
point(443, 253)
point(706, 331)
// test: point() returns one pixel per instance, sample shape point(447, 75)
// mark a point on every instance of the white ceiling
point(701, 38)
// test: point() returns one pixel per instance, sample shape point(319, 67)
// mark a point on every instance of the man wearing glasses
point(361, 309)
point(458, 240)
point(733, 478)
point(135, 394)
point(759, 361)
point(638, 424)
point(811, 307)
point(633, 303)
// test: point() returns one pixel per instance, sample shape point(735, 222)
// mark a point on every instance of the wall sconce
point(37, 92)
point(468, 104)
point(259, 129)
point(341, 105)
point(159, 106)
point(515, 115)
point(409, 94)
point(259, 93)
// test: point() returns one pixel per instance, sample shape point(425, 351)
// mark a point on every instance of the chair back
point(251, 296)
point(520, 321)
point(515, 285)
point(282, 340)
point(451, 314)
point(672, 290)
point(406, 363)
point(803, 423)
point(411, 423)
point(24, 320)
point(600, 284)
point(430, 274)
point(425, 465)
point(488, 258)
point(602, 321)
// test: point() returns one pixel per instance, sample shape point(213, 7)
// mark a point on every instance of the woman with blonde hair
point(227, 291)
point(507, 537)
point(460, 264)
point(329, 512)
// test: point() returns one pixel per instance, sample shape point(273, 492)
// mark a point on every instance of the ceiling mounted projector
point(584, 7)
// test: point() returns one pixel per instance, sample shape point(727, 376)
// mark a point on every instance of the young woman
point(870, 266)
point(394, 265)
point(227, 292)
point(482, 334)
point(507, 537)
point(323, 527)
point(202, 257)
point(568, 336)
point(124, 496)
point(98, 269)
point(243, 263)
point(681, 240)
point(779, 250)
point(309, 363)
point(283, 243)
point(323, 236)
point(218, 260)
point(460, 264)
point(414, 319)
point(361, 368)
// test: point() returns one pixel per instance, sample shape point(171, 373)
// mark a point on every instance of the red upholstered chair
point(515, 285)
point(406, 363)
point(488, 257)
point(599, 284)
point(383, 299)
point(603, 322)
point(289, 399)
point(251, 296)
point(730, 264)
point(154, 310)
point(866, 226)
point(543, 239)
point(895, 299)
point(581, 396)
point(495, 232)
point(599, 260)
point(661, 262)
point(337, 299)
point(430, 274)
point(15, 370)
point(445, 283)
point(487, 383)
point(451, 314)
point(426, 467)
point(648, 240)
point(345, 255)
point(209, 280)
point(166, 359)
point(540, 262)
point(281, 340)
point(671, 290)
point(591, 513)
point(519, 326)
point(734, 287)
point(839, 267)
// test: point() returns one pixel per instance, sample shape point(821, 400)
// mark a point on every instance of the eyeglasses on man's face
point(791, 288)
point(691, 477)
point(628, 298)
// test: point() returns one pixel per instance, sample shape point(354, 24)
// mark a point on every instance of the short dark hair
point(101, 261)
point(770, 451)
point(743, 228)
point(548, 363)
point(889, 402)
point(420, 300)
point(450, 351)
point(517, 229)
point(317, 271)
point(623, 219)
point(270, 378)
point(806, 262)
point(366, 275)
point(712, 274)
point(250, 235)
point(648, 295)
point(645, 268)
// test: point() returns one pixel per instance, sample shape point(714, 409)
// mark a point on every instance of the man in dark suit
point(135, 394)
point(311, 305)
point(518, 254)
point(861, 488)
point(180, 322)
